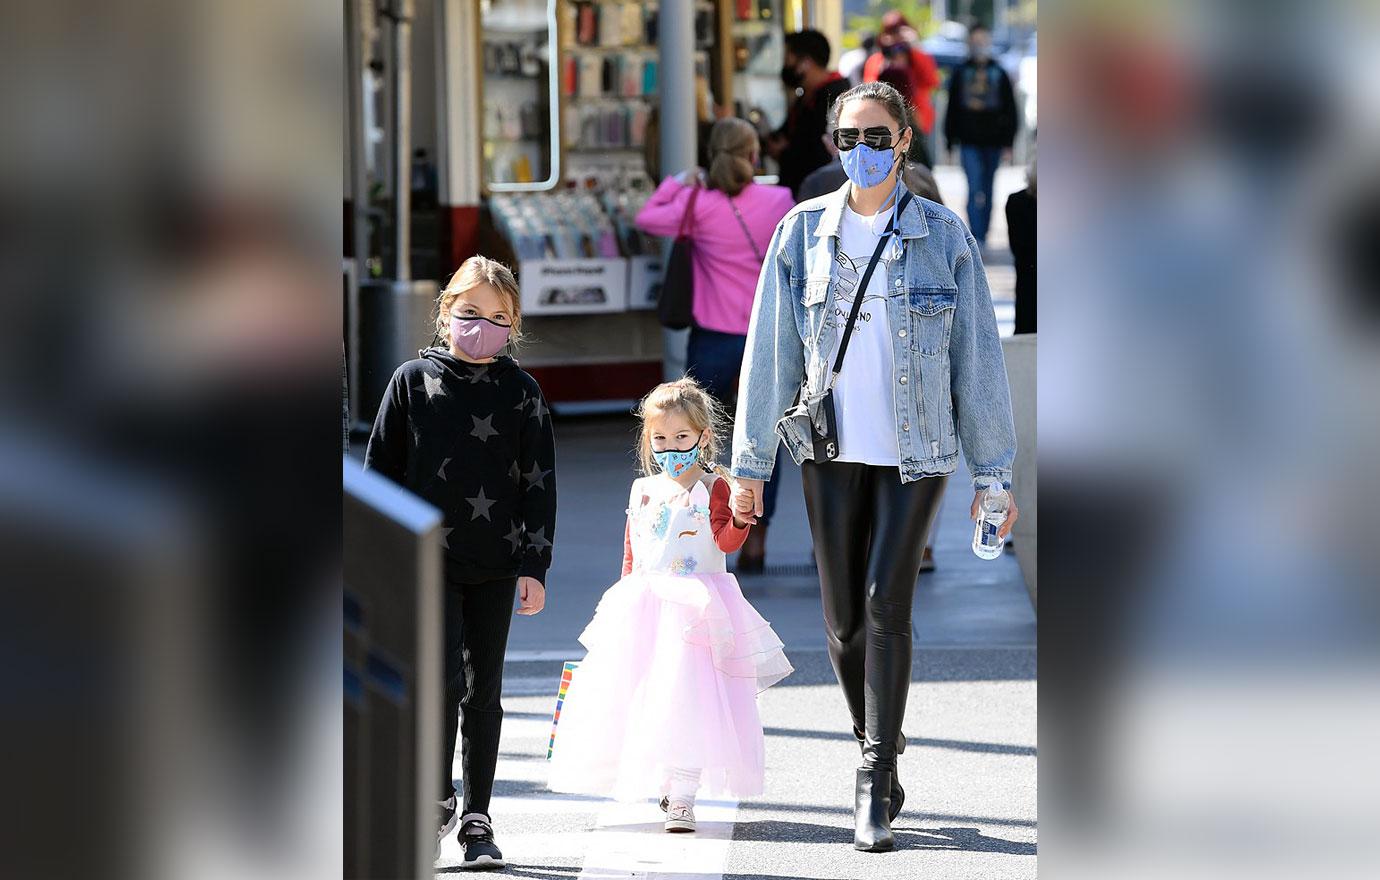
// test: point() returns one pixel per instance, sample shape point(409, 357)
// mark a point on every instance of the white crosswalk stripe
point(616, 841)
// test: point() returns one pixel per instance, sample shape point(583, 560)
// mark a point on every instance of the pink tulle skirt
point(671, 679)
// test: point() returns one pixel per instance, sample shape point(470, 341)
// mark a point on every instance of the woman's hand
point(689, 176)
point(751, 490)
point(1012, 514)
point(532, 594)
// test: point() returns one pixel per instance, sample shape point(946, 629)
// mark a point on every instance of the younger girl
point(665, 701)
point(465, 428)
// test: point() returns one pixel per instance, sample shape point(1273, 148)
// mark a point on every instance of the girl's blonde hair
point(472, 273)
point(687, 397)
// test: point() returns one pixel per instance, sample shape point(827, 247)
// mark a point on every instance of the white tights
point(684, 784)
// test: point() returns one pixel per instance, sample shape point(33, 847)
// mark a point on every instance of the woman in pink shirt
point(733, 223)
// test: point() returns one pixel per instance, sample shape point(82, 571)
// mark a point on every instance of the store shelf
point(603, 50)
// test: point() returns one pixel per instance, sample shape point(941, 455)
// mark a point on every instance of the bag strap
point(689, 216)
point(746, 231)
point(862, 286)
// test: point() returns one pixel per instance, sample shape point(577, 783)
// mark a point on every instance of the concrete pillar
point(400, 14)
point(459, 128)
point(676, 35)
point(1020, 355)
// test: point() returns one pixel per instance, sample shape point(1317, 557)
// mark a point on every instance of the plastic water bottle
point(992, 510)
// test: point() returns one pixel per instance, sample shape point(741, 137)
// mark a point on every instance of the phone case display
point(571, 244)
point(758, 54)
point(569, 259)
point(610, 75)
point(562, 225)
point(517, 136)
point(622, 206)
point(644, 252)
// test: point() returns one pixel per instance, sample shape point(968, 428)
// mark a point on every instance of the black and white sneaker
point(477, 838)
point(448, 820)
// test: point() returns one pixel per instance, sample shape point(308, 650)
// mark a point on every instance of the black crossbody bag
point(813, 414)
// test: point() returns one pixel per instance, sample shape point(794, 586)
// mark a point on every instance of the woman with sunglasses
point(923, 375)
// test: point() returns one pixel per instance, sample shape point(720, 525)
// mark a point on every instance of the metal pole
point(679, 129)
point(678, 120)
point(355, 52)
point(400, 11)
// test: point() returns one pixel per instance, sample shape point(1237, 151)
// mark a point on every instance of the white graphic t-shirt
point(864, 396)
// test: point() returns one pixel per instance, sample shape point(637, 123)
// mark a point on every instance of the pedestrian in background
point(796, 145)
point(734, 217)
point(851, 63)
point(901, 77)
point(665, 702)
point(898, 45)
point(924, 372)
point(465, 428)
point(1020, 226)
point(981, 124)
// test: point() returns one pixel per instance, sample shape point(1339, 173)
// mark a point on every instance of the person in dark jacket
point(981, 124)
point(1020, 225)
point(468, 430)
point(796, 146)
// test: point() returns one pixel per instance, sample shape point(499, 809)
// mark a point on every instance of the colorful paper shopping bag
point(566, 672)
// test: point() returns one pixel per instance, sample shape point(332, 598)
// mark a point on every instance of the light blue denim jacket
point(950, 378)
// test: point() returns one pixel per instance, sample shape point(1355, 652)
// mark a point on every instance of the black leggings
point(869, 531)
point(477, 620)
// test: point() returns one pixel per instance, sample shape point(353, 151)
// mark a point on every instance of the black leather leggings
point(869, 533)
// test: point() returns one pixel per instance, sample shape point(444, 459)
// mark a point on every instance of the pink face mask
point(478, 337)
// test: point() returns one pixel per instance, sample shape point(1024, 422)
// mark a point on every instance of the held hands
point(1012, 513)
point(747, 501)
point(532, 595)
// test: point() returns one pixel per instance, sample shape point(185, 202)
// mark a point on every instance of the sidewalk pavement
point(969, 769)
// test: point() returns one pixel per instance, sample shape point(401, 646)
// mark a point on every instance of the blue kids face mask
point(675, 461)
point(867, 166)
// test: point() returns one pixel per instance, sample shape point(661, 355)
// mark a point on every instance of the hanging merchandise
point(586, 24)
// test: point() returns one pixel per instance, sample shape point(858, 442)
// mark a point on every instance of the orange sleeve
point(926, 70)
point(627, 547)
point(872, 67)
point(728, 536)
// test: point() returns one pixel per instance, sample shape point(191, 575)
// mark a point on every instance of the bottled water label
point(992, 512)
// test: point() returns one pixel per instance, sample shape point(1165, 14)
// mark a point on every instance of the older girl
point(467, 429)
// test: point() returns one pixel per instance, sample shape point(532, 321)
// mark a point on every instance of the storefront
point(547, 134)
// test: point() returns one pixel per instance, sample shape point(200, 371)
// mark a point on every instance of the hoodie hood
point(464, 369)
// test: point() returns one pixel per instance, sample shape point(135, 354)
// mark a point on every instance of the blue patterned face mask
point(676, 461)
point(866, 166)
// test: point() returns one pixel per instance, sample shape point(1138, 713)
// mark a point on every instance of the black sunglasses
point(879, 137)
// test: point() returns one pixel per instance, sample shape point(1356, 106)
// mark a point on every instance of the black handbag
point(675, 305)
point(812, 418)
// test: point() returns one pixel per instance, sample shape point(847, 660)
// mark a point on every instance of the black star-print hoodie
point(476, 441)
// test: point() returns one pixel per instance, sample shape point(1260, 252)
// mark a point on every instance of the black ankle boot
point(871, 824)
point(898, 794)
